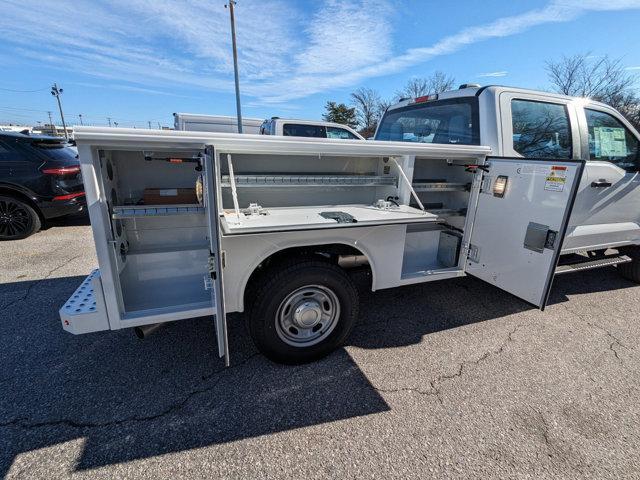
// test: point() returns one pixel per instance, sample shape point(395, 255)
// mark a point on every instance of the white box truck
point(281, 219)
point(214, 123)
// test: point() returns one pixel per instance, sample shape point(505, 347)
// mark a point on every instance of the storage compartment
point(165, 278)
point(444, 188)
point(161, 243)
point(428, 249)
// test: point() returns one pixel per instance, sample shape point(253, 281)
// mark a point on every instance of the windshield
point(452, 121)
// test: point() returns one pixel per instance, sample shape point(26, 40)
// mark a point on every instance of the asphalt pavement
point(452, 379)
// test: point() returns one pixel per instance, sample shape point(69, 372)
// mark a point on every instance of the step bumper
point(85, 311)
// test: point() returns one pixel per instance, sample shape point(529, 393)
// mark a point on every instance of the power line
point(23, 91)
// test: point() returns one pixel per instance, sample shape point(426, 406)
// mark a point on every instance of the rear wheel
point(302, 311)
point(17, 219)
point(631, 270)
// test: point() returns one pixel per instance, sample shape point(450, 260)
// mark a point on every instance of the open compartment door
point(210, 194)
point(520, 222)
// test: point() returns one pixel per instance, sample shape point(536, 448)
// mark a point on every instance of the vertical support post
point(235, 63)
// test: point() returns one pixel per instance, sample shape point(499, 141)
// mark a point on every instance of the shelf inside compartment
point(310, 180)
point(169, 279)
point(440, 186)
point(132, 211)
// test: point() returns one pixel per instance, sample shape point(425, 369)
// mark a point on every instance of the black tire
point(631, 270)
point(18, 219)
point(276, 293)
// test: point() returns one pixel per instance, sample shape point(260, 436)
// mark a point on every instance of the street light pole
point(55, 91)
point(235, 63)
point(80, 117)
point(109, 120)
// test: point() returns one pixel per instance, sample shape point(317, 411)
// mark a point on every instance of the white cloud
point(285, 54)
point(500, 73)
point(633, 68)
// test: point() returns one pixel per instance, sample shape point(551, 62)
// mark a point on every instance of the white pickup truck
point(307, 128)
point(540, 125)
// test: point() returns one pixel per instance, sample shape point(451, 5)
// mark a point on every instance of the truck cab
point(308, 128)
point(530, 124)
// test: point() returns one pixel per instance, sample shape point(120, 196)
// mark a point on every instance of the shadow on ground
point(131, 399)
point(76, 220)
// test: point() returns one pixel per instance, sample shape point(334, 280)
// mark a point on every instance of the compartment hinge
point(212, 266)
point(474, 253)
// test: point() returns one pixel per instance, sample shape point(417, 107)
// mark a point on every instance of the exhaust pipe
point(352, 261)
point(145, 330)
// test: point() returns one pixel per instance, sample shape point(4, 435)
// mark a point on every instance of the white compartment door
point(210, 193)
point(516, 236)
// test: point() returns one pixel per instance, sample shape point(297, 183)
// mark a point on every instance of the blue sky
point(141, 60)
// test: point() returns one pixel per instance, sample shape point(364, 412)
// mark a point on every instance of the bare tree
point(600, 78)
point(438, 82)
point(367, 104)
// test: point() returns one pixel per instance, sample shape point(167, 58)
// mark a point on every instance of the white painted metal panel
point(215, 253)
point(305, 218)
point(539, 193)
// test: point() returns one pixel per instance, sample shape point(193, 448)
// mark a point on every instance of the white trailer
point(214, 123)
point(283, 218)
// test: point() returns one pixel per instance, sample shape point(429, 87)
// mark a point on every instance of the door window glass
point(335, 132)
point(540, 130)
point(611, 141)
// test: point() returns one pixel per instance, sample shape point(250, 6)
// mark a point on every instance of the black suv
point(39, 179)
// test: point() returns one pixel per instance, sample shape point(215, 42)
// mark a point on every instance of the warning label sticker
point(556, 179)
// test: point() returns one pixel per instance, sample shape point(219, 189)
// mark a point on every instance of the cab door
point(520, 220)
point(607, 209)
point(210, 194)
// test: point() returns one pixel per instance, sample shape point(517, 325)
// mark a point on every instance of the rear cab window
point(451, 121)
point(611, 141)
point(302, 130)
point(541, 129)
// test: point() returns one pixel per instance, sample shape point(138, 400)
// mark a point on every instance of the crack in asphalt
point(38, 281)
point(616, 341)
point(24, 423)
point(436, 383)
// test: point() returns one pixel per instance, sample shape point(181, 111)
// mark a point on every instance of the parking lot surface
point(451, 379)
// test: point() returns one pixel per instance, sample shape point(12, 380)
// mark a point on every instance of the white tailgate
point(515, 240)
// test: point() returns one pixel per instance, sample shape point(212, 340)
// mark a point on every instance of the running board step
point(588, 265)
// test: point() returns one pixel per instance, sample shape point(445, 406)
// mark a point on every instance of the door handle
point(600, 184)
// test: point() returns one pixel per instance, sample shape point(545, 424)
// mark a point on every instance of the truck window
point(335, 132)
point(611, 141)
point(452, 121)
point(301, 130)
point(540, 129)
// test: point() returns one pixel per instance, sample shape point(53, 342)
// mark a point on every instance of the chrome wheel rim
point(307, 315)
point(14, 219)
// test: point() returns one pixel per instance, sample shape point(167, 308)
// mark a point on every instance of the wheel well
point(21, 196)
point(328, 252)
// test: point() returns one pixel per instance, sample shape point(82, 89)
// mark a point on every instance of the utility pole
point(231, 4)
point(149, 122)
point(50, 119)
point(55, 91)
point(80, 117)
point(109, 120)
